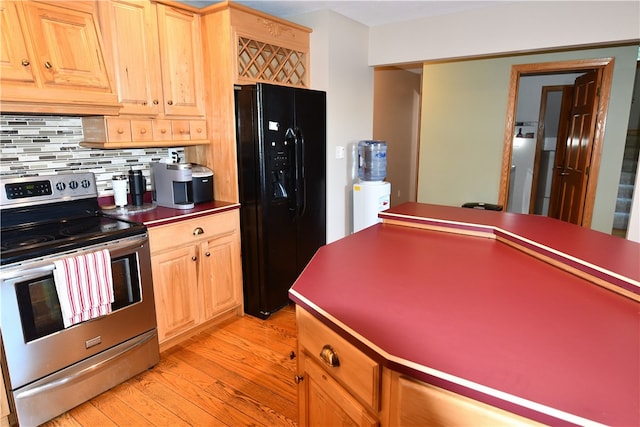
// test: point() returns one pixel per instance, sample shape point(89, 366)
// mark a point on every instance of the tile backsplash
point(48, 145)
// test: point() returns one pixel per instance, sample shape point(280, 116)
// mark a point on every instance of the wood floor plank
point(87, 414)
point(249, 365)
point(243, 385)
point(237, 373)
point(117, 410)
point(192, 382)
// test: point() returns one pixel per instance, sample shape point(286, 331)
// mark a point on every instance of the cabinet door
point(14, 56)
point(181, 59)
point(67, 47)
point(4, 405)
point(221, 275)
point(175, 289)
point(131, 39)
point(323, 402)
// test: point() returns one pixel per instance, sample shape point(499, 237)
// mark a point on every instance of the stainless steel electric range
point(48, 367)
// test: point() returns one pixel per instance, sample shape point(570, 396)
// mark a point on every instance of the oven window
point(40, 308)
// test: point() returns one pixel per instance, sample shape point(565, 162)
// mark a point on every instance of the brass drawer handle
point(329, 356)
point(197, 231)
point(48, 65)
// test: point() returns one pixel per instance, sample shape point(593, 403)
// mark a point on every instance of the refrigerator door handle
point(299, 173)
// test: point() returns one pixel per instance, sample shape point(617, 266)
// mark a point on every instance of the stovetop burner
point(44, 222)
point(21, 242)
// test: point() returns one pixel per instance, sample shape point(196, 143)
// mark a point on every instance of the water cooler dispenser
point(371, 194)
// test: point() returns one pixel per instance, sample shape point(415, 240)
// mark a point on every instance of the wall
point(463, 121)
point(48, 145)
point(396, 115)
point(507, 27)
point(339, 67)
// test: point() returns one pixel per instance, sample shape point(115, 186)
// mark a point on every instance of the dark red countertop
point(602, 255)
point(161, 215)
point(481, 318)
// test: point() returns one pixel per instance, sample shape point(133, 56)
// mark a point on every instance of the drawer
point(191, 231)
point(141, 130)
point(181, 129)
point(118, 130)
point(198, 129)
point(356, 371)
point(162, 130)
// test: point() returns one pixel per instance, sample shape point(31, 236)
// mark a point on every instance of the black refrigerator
point(281, 140)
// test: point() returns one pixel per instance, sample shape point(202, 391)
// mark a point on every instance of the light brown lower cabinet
point(338, 384)
point(4, 405)
point(197, 274)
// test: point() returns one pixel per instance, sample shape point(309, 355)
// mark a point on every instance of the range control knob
point(60, 186)
point(73, 184)
point(85, 183)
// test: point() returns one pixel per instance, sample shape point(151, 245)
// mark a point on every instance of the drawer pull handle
point(194, 258)
point(198, 231)
point(48, 65)
point(298, 379)
point(25, 63)
point(329, 356)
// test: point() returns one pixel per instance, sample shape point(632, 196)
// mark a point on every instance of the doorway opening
point(583, 176)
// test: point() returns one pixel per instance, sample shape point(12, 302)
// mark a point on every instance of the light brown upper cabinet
point(268, 49)
point(181, 61)
point(52, 59)
point(243, 46)
point(157, 56)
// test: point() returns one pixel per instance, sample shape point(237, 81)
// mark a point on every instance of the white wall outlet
point(339, 152)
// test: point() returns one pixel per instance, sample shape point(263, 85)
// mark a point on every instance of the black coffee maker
point(137, 187)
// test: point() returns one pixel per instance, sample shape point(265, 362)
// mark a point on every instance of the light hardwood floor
point(238, 373)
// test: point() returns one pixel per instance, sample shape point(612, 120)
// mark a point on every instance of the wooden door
point(68, 51)
point(573, 157)
point(175, 290)
point(182, 63)
point(131, 38)
point(322, 401)
point(15, 61)
point(221, 275)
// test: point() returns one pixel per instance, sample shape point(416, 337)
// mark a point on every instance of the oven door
point(35, 341)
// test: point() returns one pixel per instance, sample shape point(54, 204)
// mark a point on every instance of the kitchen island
point(517, 313)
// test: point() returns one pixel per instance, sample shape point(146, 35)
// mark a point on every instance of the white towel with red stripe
point(85, 286)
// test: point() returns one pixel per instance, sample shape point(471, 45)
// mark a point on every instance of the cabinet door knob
point(329, 356)
point(120, 131)
point(194, 258)
point(143, 131)
point(155, 102)
point(197, 231)
point(170, 102)
point(25, 62)
point(298, 379)
point(207, 253)
point(48, 65)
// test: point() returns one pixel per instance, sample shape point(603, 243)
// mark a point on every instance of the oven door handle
point(130, 244)
point(29, 274)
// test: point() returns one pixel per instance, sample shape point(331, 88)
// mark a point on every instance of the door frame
point(606, 64)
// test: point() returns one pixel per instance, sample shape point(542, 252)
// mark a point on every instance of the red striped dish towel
point(85, 286)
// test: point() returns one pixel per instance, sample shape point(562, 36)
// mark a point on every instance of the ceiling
point(368, 12)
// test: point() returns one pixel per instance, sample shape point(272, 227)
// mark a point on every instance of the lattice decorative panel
point(266, 62)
